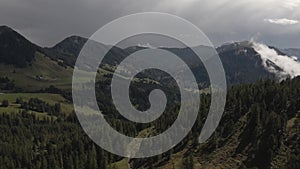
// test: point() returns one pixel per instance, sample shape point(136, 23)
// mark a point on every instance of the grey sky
point(46, 22)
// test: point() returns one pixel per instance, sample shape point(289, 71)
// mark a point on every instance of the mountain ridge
point(242, 63)
point(16, 49)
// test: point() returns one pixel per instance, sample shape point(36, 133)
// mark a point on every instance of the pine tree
point(5, 103)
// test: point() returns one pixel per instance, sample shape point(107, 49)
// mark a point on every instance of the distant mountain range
point(259, 127)
point(292, 52)
point(242, 61)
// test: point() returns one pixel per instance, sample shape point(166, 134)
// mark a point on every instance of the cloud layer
point(289, 66)
point(47, 22)
point(291, 4)
point(283, 21)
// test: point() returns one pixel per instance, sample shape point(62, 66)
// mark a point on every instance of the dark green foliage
point(27, 142)
point(6, 84)
point(4, 103)
point(268, 106)
point(265, 108)
point(38, 105)
point(188, 162)
point(54, 90)
point(294, 161)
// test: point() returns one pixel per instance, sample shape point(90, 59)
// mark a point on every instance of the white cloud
point(291, 4)
point(283, 21)
point(289, 65)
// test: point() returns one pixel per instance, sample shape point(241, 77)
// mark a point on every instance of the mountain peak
point(5, 28)
point(247, 44)
point(74, 38)
point(277, 62)
point(8, 30)
point(14, 48)
point(71, 41)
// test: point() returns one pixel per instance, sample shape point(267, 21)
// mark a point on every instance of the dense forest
point(6, 84)
point(259, 129)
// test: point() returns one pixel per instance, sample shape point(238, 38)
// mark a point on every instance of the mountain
point(278, 63)
point(26, 66)
point(15, 49)
point(67, 50)
point(243, 62)
point(259, 129)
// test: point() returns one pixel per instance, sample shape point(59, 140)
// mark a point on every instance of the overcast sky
point(46, 22)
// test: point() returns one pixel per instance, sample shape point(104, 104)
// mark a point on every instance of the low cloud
point(283, 21)
point(289, 66)
point(291, 4)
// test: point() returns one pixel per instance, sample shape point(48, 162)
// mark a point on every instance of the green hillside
point(259, 129)
point(66, 106)
point(42, 73)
